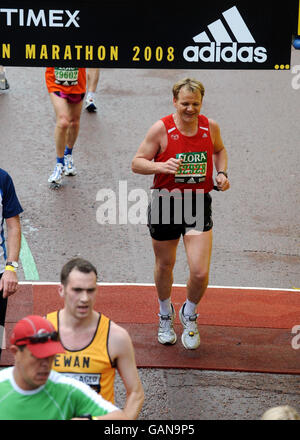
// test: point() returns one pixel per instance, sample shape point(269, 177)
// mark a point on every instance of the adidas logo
point(227, 37)
point(218, 31)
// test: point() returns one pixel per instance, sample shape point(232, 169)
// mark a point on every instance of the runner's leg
point(165, 258)
point(73, 130)
point(61, 108)
point(93, 79)
point(198, 246)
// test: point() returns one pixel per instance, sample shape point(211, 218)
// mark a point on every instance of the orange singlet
point(92, 364)
point(69, 80)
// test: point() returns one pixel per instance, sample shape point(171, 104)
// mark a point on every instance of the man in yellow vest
point(94, 345)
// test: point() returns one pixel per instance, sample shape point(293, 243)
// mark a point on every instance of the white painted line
point(40, 283)
point(254, 288)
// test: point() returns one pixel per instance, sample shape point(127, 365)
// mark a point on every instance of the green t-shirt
point(61, 398)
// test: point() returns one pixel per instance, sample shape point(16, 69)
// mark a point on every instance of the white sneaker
point(90, 104)
point(69, 168)
point(190, 337)
point(4, 86)
point(57, 175)
point(166, 333)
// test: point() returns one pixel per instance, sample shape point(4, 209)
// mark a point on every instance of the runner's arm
point(114, 415)
point(143, 163)
point(122, 352)
point(9, 280)
point(220, 155)
point(84, 403)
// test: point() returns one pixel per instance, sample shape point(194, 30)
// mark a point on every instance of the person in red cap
point(31, 390)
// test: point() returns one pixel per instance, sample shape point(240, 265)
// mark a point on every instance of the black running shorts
point(170, 216)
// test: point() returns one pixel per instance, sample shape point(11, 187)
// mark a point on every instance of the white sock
point(91, 95)
point(189, 308)
point(165, 306)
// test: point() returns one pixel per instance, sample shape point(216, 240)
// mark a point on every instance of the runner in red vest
point(181, 151)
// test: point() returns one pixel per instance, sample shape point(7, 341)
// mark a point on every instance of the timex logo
point(41, 17)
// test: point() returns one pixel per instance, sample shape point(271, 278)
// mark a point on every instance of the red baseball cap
point(39, 336)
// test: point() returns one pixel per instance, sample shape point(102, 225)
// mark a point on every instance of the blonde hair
point(284, 412)
point(191, 84)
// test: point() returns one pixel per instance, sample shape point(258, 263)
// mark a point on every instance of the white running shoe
point(57, 175)
point(69, 168)
point(190, 337)
point(4, 86)
point(166, 333)
point(90, 104)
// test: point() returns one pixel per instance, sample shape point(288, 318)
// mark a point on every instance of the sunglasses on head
point(40, 338)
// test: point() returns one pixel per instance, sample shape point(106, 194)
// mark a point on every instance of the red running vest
point(179, 143)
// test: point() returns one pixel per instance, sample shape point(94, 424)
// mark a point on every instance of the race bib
point(66, 76)
point(91, 379)
point(193, 167)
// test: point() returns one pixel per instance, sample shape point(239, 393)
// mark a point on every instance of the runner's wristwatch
point(88, 416)
point(222, 172)
point(13, 264)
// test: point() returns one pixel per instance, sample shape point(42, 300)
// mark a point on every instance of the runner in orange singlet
point(67, 87)
point(95, 347)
